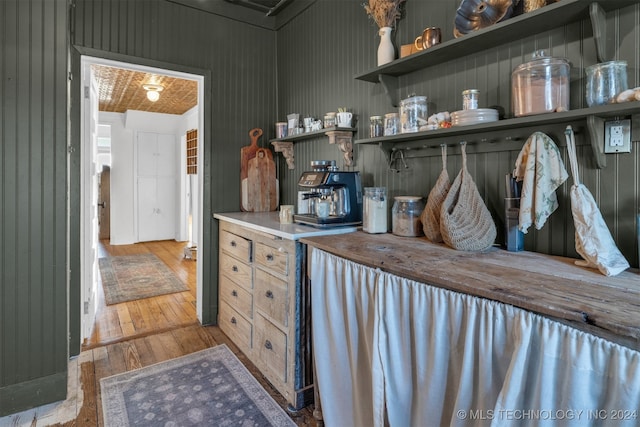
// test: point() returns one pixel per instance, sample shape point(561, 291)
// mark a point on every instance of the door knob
point(101, 204)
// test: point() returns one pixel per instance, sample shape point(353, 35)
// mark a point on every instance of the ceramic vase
point(386, 51)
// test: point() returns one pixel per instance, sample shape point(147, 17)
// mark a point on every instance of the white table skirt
point(392, 351)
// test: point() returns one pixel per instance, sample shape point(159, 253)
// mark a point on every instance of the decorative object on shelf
point(385, 13)
point(465, 222)
point(628, 95)
point(473, 15)
point(430, 36)
point(344, 118)
point(594, 242)
point(430, 216)
point(441, 120)
point(386, 51)
point(531, 5)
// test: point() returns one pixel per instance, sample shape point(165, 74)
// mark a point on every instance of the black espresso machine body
point(342, 189)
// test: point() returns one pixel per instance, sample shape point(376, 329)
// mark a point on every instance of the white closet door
point(156, 186)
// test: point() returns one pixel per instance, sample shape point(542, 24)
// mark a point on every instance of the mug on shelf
point(344, 119)
point(430, 37)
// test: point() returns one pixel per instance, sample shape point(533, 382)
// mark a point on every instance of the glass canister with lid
point(405, 216)
point(540, 85)
point(374, 210)
point(413, 114)
point(605, 81)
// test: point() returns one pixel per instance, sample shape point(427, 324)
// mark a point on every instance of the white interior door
point(156, 186)
point(89, 272)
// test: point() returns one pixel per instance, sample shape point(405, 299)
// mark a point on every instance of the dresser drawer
point(276, 259)
point(271, 346)
point(236, 245)
point(236, 296)
point(235, 326)
point(237, 271)
point(271, 296)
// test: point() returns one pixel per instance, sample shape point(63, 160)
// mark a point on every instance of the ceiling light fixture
point(153, 91)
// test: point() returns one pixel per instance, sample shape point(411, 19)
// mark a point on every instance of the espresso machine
point(332, 198)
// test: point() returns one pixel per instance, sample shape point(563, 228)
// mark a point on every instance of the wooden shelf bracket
point(344, 140)
point(286, 148)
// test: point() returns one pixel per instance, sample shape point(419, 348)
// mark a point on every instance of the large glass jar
point(406, 216)
point(540, 85)
point(413, 114)
point(374, 210)
point(605, 81)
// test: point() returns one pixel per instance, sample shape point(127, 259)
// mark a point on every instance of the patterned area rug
point(207, 388)
point(131, 277)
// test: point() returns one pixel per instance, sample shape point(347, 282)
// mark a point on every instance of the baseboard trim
point(30, 394)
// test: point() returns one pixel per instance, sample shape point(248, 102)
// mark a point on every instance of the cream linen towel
point(541, 171)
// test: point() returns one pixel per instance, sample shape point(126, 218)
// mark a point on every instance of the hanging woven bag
point(430, 216)
point(465, 222)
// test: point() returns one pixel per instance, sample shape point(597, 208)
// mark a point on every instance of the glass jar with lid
point(374, 210)
point(405, 216)
point(391, 123)
point(376, 126)
point(540, 85)
point(413, 114)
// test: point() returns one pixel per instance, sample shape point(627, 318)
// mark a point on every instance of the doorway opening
point(114, 119)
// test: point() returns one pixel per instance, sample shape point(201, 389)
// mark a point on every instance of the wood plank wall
point(331, 42)
point(33, 202)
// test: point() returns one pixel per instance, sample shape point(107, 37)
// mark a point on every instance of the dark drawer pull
point(234, 293)
point(268, 294)
point(270, 257)
point(233, 320)
point(234, 268)
point(267, 345)
point(233, 243)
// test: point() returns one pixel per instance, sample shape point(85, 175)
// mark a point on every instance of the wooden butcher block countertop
point(549, 285)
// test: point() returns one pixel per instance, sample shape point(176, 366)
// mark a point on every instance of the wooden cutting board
point(261, 183)
point(248, 153)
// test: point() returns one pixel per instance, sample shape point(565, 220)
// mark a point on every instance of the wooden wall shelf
point(521, 26)
point(342, 137)
point(592, 119)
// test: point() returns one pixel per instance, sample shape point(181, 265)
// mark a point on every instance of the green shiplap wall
point(254, 77)
point(326, 46)
point(240, 60)
point(33, 202)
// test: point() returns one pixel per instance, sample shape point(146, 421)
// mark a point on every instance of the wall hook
point(394, 158)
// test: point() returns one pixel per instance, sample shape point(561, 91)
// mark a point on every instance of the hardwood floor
point(131, 319)
point(135, 334)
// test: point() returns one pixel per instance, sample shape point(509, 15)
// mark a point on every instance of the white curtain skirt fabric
point(392, 351)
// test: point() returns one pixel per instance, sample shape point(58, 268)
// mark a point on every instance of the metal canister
point(470, 99)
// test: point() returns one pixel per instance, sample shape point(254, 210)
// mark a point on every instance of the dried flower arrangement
point(385, 13)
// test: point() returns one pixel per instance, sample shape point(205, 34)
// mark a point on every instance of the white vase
point(386, 51)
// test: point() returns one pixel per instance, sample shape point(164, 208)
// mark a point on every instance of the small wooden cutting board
point(262, 191)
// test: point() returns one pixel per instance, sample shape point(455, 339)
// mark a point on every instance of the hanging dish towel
point(541, 171)
point(465, 222)
point(593, 239)
point(430, 216)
